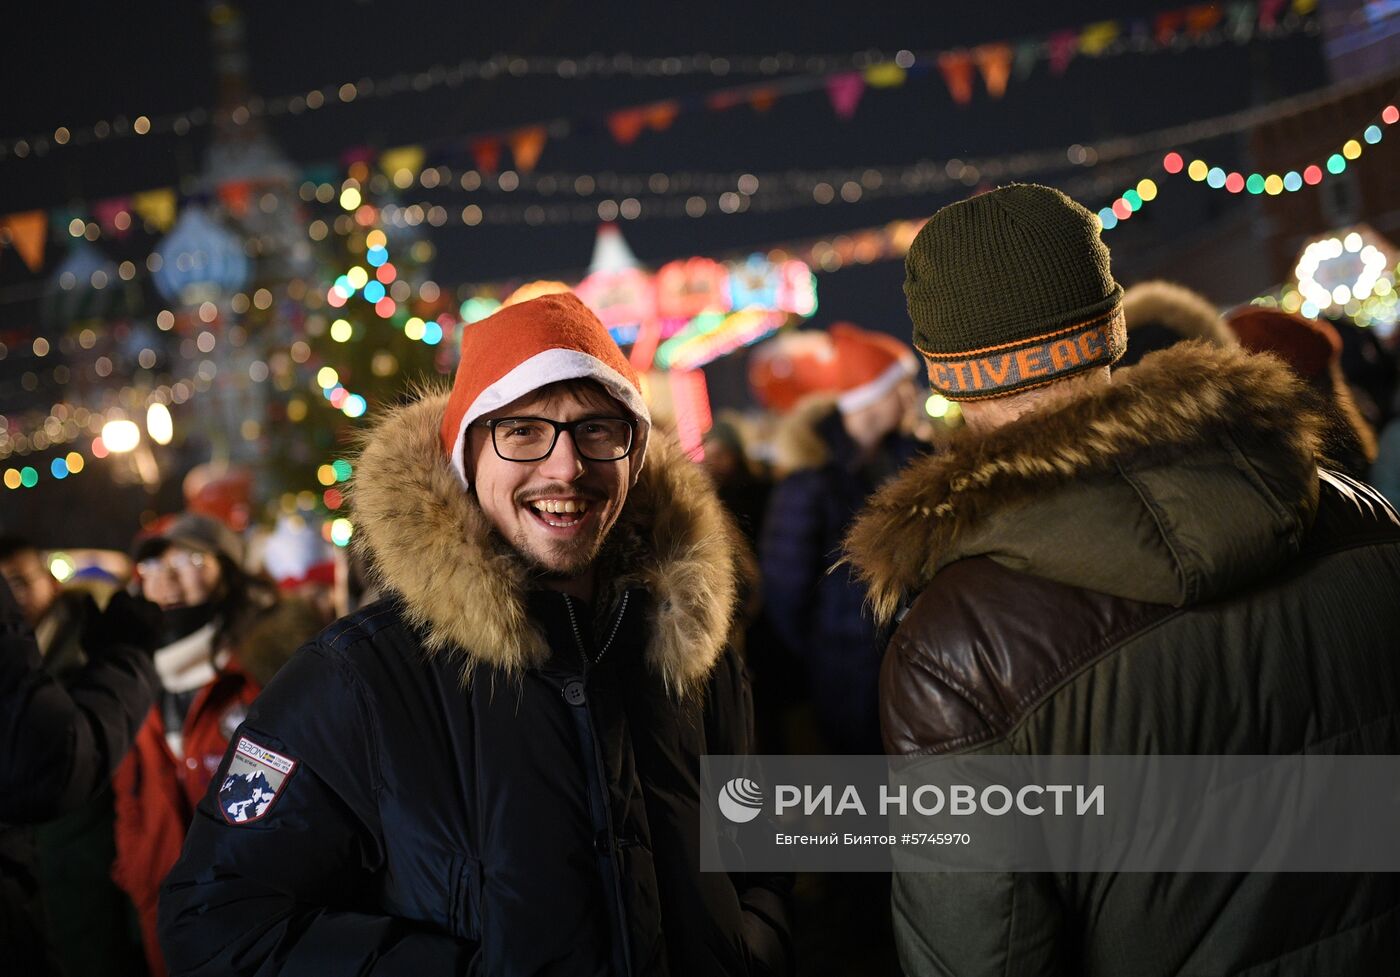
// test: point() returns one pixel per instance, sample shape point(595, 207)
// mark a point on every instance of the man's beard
point(568, 558)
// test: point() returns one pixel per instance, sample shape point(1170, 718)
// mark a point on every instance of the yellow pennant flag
point(887, 74)
point(1097, 37)
point(409, 158)
point(156, 207)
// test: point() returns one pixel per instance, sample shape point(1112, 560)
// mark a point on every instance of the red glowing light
point(1390, 115)
point(386, 273)
point(334, 299)
point(333, 498)
point(1121, 209)
point(99, 450)
point(1172, 162)
point(1312, 176)
point(385, 307)
point(1234, 183)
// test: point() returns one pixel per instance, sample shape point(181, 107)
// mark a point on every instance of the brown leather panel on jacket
point(984, 644)
point(978, 681)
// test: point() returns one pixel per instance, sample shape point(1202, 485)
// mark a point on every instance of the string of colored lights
point(1272, 184)
point(1241, 28)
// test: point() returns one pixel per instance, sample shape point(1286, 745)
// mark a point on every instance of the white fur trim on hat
point(866, 394)
point(545, 368)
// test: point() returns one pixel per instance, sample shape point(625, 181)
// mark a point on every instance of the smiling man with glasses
point(495, 770)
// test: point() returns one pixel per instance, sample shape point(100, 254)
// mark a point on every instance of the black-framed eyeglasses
point(533, 438)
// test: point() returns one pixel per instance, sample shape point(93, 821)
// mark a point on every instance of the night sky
point(74, 65)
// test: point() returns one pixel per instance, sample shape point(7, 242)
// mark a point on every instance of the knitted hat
point(1012, 289)
point(193, 531)
point(523, 347)
point(868, 365)
point(1309, 346)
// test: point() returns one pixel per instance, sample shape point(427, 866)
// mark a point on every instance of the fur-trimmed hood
point(797, 443)
point(427, 540)
point(1182, 480)
point(1186, 313)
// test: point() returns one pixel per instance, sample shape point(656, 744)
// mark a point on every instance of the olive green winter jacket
point(1158, 566)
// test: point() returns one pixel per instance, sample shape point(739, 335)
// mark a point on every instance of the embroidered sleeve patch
point(255, 779)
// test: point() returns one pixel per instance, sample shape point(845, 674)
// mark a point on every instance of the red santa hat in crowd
point(868, 365)
point(1310, 346)
point(526, 346)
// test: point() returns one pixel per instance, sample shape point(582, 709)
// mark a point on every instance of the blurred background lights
point(341, 531)
point(159, 424)
point(120, 436)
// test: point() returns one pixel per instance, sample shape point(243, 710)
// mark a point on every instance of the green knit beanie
point(1011, 289)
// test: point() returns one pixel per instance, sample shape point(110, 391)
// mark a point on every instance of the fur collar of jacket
point(427, 540)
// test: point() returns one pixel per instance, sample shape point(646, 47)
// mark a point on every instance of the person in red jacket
point(192, 571)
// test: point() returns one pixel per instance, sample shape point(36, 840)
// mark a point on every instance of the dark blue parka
point(821, 613)
point(530, 806)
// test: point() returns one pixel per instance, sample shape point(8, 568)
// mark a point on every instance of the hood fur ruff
point(426, 539)
point(1176, 399)
point(1177, 308)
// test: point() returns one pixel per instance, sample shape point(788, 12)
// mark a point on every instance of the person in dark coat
point(495, 768)
point(1149, 564)
point(835, 451)
point(1312, 348)
point(59, 744)
point(91, 923)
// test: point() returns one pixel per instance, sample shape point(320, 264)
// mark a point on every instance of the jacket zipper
point(578, 634)
point(600, 773)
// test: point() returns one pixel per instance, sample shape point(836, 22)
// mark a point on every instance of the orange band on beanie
point(1014, 367)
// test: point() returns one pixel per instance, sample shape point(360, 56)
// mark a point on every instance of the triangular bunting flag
point(236, 196)
point(626, 125)
point(660, 116)
point(762, 99)
point(1062, 45)
point(957, 73)
point(1268, 13)
point(526, 146)
point(887, 74)
point(994, 61)
point(1097, 37)
point(722, 101)
point(27, 231)
point(1027, 54)
point(110, 213)
point(845, 90)
point(487, 154)
point(1202, 18)
point(1240, 16)
point(409, 158)
point(1167, 25)
point(156, 207)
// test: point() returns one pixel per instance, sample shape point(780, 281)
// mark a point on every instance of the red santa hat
point(526, 346)
point(868, 365)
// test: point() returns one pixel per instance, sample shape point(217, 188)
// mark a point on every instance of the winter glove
point(127, 620)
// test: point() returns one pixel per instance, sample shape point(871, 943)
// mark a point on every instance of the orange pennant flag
point(763, 99)
point(27, 231)
point(662, 114)
point(1202, 18)
point(626, 125)
point(994, 61)
point(957, 72)
point(526, 146)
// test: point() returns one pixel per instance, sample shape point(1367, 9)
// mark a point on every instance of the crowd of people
point(1132, 534)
